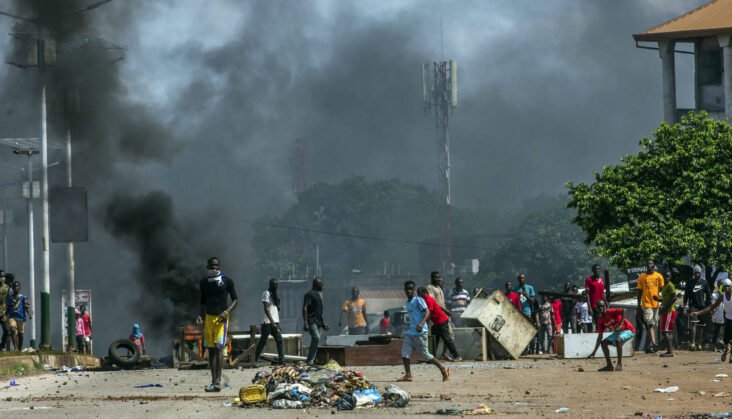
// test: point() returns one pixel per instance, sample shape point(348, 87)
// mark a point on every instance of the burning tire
point(124, 353)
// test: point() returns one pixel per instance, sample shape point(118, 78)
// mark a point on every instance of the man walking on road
point(271, 322)
point(214, 313)
point(355, 310)
point(440, 324)
point(415, 337)
point(435, 291)
point(312, 313)
point(650, 284)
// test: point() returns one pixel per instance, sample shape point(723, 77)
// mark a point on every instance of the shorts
point(416, 343)
point(214, 331)
point(650, 316)
point(16, 325)
point(668, 320)
point(621, 336)
point(701, 321)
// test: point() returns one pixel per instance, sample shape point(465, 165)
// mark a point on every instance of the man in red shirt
point(557, 307)
point(622, 331)
point(594, 291)
point(513, 296)
point(440, 324)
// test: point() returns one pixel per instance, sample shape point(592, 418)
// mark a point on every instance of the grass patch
point(19, 369)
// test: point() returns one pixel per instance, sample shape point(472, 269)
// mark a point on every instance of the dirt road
point(530, 387)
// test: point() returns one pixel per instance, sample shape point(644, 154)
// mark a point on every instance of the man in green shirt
point(668, 313)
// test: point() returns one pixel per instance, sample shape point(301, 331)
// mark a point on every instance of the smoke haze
point(210, 95)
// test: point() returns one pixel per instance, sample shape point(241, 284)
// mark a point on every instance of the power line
point(365, 237)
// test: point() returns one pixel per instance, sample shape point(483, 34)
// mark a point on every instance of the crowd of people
point(15, 310)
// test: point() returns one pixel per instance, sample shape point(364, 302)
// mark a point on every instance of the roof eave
point(681, 35)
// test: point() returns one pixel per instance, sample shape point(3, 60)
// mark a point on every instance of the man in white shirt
point(271, 322)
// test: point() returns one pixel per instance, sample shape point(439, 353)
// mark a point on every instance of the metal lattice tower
point(299, 166)
point(439, 93)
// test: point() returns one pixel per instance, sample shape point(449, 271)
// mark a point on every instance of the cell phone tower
point(299, 166)
point(439, 93)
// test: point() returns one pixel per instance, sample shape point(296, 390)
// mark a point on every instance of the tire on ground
point(123, 361)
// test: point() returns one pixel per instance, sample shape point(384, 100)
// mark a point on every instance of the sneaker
point(457, 359)
point(212, 388)
point(541, 353)
point(666, 355)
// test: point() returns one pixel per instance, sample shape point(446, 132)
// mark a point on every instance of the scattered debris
point(302, 386)
point(702, 392)
point(672, 389)
point(13, 383)
point(562, 410)
point(721, 376)
point(722, 394)
point(148, 385)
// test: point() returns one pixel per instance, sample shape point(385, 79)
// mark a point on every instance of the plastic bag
point(367, 397)
point(324, 376)
point(286, 404)
point(396, 397)
point(333, 365)
point(345, 401)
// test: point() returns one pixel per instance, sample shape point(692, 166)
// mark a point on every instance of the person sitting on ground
point(385, 324)
point(138, 338)
point(19, 312)
point(613, 319)
point(725, 301)
point(697, 294)
point(440, 325)
point(668, 314)
point(415, 337)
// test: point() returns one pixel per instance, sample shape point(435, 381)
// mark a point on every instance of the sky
point(210, 96)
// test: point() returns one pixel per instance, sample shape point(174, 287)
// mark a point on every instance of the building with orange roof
point(708, 30)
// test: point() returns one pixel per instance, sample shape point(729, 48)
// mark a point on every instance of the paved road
point(527, 388)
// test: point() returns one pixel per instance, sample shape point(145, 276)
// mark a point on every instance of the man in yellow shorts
point(214, 312)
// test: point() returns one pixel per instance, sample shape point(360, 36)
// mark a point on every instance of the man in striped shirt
point(458, 302)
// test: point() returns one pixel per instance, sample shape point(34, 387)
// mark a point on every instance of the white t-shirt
point(273, 312)
point(718, 315)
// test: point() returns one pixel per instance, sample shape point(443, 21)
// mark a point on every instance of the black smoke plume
point(169, 293)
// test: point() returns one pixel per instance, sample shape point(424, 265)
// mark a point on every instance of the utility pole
point(71, 298)
point(45, 48)
point(439, 93)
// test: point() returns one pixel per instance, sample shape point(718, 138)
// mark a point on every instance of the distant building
point(708, 29)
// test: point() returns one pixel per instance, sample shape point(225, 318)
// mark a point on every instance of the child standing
point(547, 325)
point(138, 338)
point(79, 332)
point(583, 317)
point(384, 324)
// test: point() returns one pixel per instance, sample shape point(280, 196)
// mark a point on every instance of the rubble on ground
point(329, 386)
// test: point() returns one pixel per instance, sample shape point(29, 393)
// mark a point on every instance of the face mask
point(213, 273)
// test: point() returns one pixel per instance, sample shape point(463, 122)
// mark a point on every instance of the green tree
point(544, 245)
point(670, 200)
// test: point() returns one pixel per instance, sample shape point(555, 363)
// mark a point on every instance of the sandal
point(405, 378)
point(446, 374)
point(606, 368)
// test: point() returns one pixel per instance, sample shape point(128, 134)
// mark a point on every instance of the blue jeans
point(314, 331)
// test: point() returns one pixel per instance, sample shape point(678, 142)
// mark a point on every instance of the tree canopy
point(669, 201)
point(544, 245)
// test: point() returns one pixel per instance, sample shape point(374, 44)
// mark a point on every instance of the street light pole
point(31, 250)
point(46, 293)
point(71, 298)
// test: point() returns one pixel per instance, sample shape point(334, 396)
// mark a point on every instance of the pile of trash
point(302, 386)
